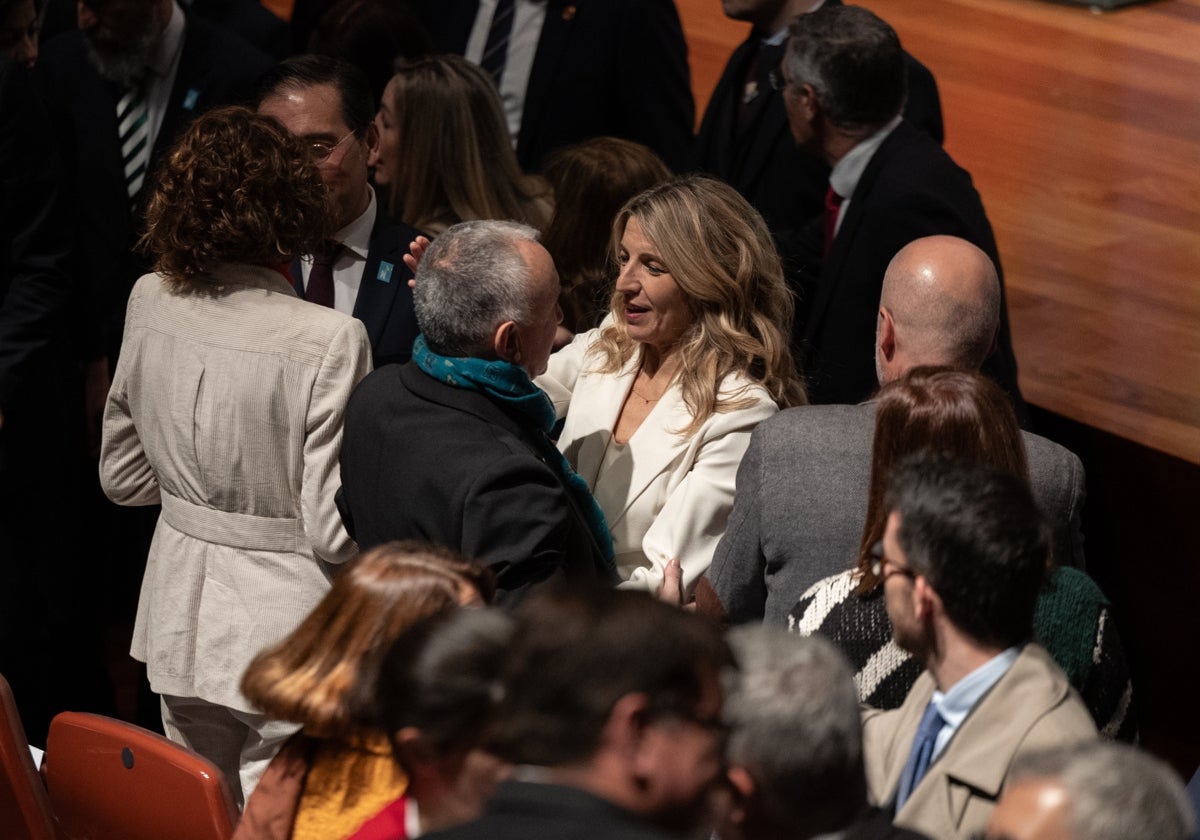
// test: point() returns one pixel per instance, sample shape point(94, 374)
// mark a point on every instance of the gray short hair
point(854, 63)
point(795, 727)
point(1115, 792)
point(472, 279)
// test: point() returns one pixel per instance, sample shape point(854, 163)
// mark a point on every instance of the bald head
point(940, 305)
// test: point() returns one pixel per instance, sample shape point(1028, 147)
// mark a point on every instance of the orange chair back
point(24, 806)
point(110, 780)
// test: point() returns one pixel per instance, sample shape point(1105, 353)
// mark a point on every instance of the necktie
point(921, 754)
point(495, 51)
point(833, 205)
point(319, 288)
point(133, 133)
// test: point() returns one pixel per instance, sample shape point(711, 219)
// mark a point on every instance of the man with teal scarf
point(453, 447)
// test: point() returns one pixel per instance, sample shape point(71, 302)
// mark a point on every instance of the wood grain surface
point(1082, 131)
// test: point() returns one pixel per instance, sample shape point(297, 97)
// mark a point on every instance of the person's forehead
point(307, 109)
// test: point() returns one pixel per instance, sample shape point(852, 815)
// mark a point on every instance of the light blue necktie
point(921, 755)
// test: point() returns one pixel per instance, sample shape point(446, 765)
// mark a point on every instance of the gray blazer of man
point(801, 502)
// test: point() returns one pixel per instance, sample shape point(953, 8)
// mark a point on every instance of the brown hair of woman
point(314, 676)
point(591, 181)
point(936, 409)
point(236, 188)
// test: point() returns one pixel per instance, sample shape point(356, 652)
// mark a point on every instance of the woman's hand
point(671, 590)
point(416, 250)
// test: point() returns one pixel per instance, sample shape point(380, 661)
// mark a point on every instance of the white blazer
point(668, 495)
point(226, 408)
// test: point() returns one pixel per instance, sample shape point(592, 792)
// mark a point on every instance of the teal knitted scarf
point(510, 386)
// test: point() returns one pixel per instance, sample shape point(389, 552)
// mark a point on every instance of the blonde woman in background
point(445, 155)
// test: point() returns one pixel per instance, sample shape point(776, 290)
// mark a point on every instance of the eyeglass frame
point(879, 560)
point(316, 147)
point(777, 80)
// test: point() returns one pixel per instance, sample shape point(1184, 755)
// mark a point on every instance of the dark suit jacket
point(425, 460)
point(911, 188)
point(385, 302)
point(759, 158)
point(526, 810)
point(215, 68)
point(602, 67)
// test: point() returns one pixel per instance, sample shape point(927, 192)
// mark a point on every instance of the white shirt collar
point(848, 171)
point(170, 43)
point(356, 236)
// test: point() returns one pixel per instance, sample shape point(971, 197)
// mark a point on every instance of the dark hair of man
point(578, 650)
point(441, 676)
point(303, 71)
point(854, 63)
point(977, 536)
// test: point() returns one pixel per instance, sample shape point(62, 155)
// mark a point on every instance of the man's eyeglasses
point(883, 567)
point(777, 79)
point(323, 149)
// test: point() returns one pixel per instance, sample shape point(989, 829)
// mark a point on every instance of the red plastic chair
point(110, 780)
point(24, 806)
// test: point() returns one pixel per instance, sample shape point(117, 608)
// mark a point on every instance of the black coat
point(911, 188)
point(602, 68)
point(427, 461)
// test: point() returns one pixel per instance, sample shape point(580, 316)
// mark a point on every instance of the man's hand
point(416, 250)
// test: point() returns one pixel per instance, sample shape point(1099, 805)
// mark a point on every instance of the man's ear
point(810, 105)
point(742, 784)
point(408, 743)
point(506, 342)
point(371, 139)
point(885, 335)
point(926, 601)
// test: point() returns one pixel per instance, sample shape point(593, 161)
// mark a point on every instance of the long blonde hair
point(456, 161)
point(719, 252)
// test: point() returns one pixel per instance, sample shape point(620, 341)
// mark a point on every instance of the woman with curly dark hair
point(226, 409)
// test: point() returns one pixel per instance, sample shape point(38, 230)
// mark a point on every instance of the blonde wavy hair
point(321, 675)
point(237, 188)
point(720, 254)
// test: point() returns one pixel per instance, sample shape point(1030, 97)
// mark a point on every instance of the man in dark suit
point(452, 447)
point(890, 184)
point(569, 70)
point(611, 708)
point(744, 137)
point(166, 67)
point(328, 103)
point(803, 483)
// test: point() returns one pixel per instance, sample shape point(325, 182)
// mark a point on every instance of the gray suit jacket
point(226, 408)
point(801, 503)
point(1032, 707)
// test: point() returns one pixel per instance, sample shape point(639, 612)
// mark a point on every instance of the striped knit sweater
point(1073, 621)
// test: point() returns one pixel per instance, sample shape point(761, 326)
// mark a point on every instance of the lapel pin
point(385, 272)
point(568, 13)
point(189, 101)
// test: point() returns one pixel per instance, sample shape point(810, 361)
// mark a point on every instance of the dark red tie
point(833, 205)
point(319, 288)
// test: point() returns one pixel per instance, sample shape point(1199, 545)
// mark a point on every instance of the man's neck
point(788, 11)
point(954, 655)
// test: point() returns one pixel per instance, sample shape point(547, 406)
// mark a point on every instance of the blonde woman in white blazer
point(226, 409)
point(659, 402)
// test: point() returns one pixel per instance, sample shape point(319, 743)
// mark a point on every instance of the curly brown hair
point(237, 187)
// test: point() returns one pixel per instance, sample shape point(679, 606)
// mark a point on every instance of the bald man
point(801, 496)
